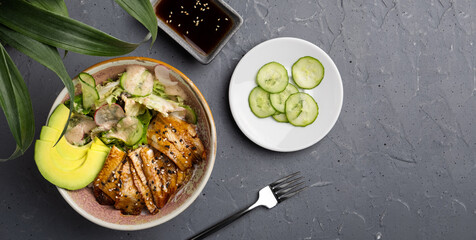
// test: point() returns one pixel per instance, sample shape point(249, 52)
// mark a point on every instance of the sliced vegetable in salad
point(137, 81)
point(275, 96)
point(88, 86)
point(108, 115)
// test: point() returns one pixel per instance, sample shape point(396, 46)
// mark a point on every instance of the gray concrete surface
point(399, 163)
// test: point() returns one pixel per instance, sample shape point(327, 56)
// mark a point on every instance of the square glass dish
point(202, 27)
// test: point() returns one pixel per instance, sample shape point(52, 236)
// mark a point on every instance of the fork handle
point(223, 223)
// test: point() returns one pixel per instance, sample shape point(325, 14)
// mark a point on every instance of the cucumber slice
point(307, 72)
point(88, 87)
point(301, 109)
point(279, 99)
point(272, 77)
point(190, 116)
point(87, 78)
point(280, 117)
point(187, 114)
point(108, 115)
point(129, 130)
point(139, 84)
point(260, 104)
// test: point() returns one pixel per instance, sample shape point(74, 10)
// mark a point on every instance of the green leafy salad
point(118, 111)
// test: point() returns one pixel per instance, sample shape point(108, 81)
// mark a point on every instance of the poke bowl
point(84, 200)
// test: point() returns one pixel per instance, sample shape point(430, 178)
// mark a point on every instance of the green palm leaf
point(44, 54)
point(60, 31)
point(56, 6)
point(16, 104)
point(143, 11)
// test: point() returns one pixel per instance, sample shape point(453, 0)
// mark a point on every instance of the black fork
point(269, 197)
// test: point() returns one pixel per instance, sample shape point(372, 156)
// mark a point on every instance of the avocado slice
point(99, 145)
point(53, 169)
point(66, 150)
point(45, 149)
point(71, 152)
point(65, 165)
point(49, 134)
point(59, 117)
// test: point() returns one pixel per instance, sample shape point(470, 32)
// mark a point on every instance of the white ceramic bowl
point(83, 200)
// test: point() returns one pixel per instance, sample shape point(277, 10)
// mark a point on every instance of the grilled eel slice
point(153, 169)
point(177, 139)
point(188, 133)
point(161, 174)
point(105, 185)
point(183, 176)
point(128, 199)
point(166, 177)
point(140, 180)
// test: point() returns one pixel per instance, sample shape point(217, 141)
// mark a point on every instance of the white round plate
point(266, 132)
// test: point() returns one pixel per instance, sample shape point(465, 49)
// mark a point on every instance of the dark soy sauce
point(201, 23)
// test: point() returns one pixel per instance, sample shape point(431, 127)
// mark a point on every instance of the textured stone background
point(399, 164)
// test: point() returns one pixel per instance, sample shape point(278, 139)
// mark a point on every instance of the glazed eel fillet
point(128, 200)
point(105, 185)
point(152, 171)
point(161, 179)
point(140, 180)
point(176, 139)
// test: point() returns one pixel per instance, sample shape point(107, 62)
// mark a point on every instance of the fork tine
point(288, 189)
point(285, 184)
point(289, 195)
point(281, 180)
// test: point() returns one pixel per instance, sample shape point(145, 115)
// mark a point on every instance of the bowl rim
point(65, 193)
